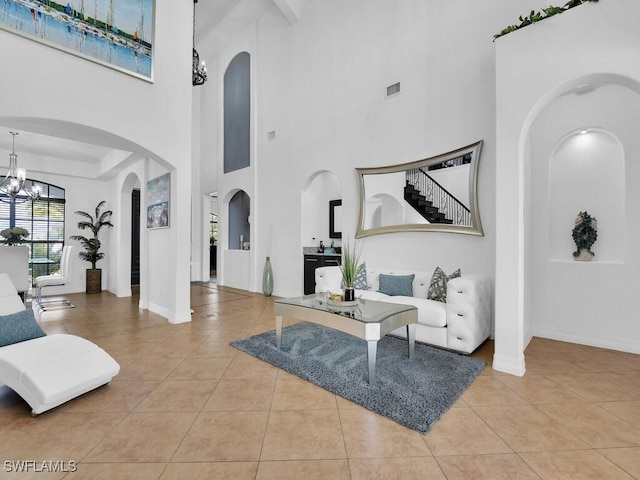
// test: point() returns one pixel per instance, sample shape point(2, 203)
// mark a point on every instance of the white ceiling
point(215, 20)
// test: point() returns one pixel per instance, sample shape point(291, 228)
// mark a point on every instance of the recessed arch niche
point(239, 228)
point(582, 154)
point(586, 173)
point(237, 113)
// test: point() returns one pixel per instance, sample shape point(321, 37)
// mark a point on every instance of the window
point(44, 219)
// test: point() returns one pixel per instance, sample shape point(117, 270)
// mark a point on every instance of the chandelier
point(199, 71)
point(13, 185)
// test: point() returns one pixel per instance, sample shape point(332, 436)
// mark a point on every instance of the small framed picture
point(158, 202)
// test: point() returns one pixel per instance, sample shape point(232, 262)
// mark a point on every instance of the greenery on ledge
point(534, 16)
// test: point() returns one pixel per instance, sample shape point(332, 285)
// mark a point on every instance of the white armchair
point(56, 279)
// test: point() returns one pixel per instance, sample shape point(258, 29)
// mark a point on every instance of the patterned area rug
point(413, 392)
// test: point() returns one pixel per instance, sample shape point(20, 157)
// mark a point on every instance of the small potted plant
point(349, 268)
point(584, 233)
point(92, 245)
point(15, 235)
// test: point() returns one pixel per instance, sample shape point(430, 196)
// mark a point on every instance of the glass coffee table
point(369, 320)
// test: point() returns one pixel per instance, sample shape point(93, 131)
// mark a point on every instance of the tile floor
point(186, 405)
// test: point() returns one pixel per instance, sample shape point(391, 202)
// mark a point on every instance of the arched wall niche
point(235, 214)
point(237, 113)
point(581, 153)
point(586, 173)
point(320, 188)
point(238, 225)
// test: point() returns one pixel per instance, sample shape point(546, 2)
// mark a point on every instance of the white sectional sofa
point(461, 324)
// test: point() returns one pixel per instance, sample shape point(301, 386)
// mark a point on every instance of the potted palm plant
point(92, 245)
point(349, 268)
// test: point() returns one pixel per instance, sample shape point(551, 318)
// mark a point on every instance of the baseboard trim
point(611, 343)
point(513, 366)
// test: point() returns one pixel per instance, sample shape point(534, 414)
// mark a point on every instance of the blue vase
point(267, 278)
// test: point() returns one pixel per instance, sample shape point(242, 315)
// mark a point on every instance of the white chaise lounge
point(49, 370)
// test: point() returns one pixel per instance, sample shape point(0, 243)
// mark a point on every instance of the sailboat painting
point(115, 33)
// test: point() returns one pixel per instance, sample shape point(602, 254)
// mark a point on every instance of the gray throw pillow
point(19, 327)
point(396, 284)
point(438, 286)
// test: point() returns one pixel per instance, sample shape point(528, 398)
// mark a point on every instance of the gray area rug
point(413, 392)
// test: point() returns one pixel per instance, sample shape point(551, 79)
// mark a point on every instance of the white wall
point(595, 43)
point(320, 84)
point(54, 90)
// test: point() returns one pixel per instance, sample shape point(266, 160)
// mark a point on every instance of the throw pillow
point(360, 282)
point(396, 284)
point(19, 327)
point(438, 286)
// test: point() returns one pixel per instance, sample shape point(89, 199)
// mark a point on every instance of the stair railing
point(439, 196)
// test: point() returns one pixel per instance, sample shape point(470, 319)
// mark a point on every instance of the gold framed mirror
point(436, 194)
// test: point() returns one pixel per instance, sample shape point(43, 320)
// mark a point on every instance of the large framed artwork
point(158, 198)
point(115, 33)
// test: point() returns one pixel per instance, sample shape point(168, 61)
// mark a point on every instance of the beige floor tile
point(525, 428)
point(210, 348)
point(246, 366)
point(594, 425)
point(143, 437)
point(461, 431)
point(116, 396)
point(293, 393)
point(121, 471)
point(628, 459)
point(178, 396)
point(627, 410)
point(367, 435)
point(552, 364)
point(200, 369)
point(147, 368)
point(489, 390)
point(538, 389)
point(486, 467)
point(304, 469)
point(214, 471)
point(424, 468)
point(303, 435)
point(223, 437)
point(251, 394)
point(574, 465)
point(58, 436)
point(596, 387)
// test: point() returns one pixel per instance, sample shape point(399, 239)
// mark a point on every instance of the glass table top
point(367, 311)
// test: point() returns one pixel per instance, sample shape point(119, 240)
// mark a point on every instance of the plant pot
point(349, 294)
point(94, 280)
point(585, 256)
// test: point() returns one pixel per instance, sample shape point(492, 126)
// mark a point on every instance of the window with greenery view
point(44, 219)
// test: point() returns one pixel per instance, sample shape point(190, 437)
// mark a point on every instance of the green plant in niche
point(534, 16)
point(584, 233)
point(91, 245)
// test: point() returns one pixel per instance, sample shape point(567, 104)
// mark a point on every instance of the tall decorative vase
point(267, 278)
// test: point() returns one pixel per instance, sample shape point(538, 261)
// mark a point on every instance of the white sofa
point(461, 324)
point(50, 370)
